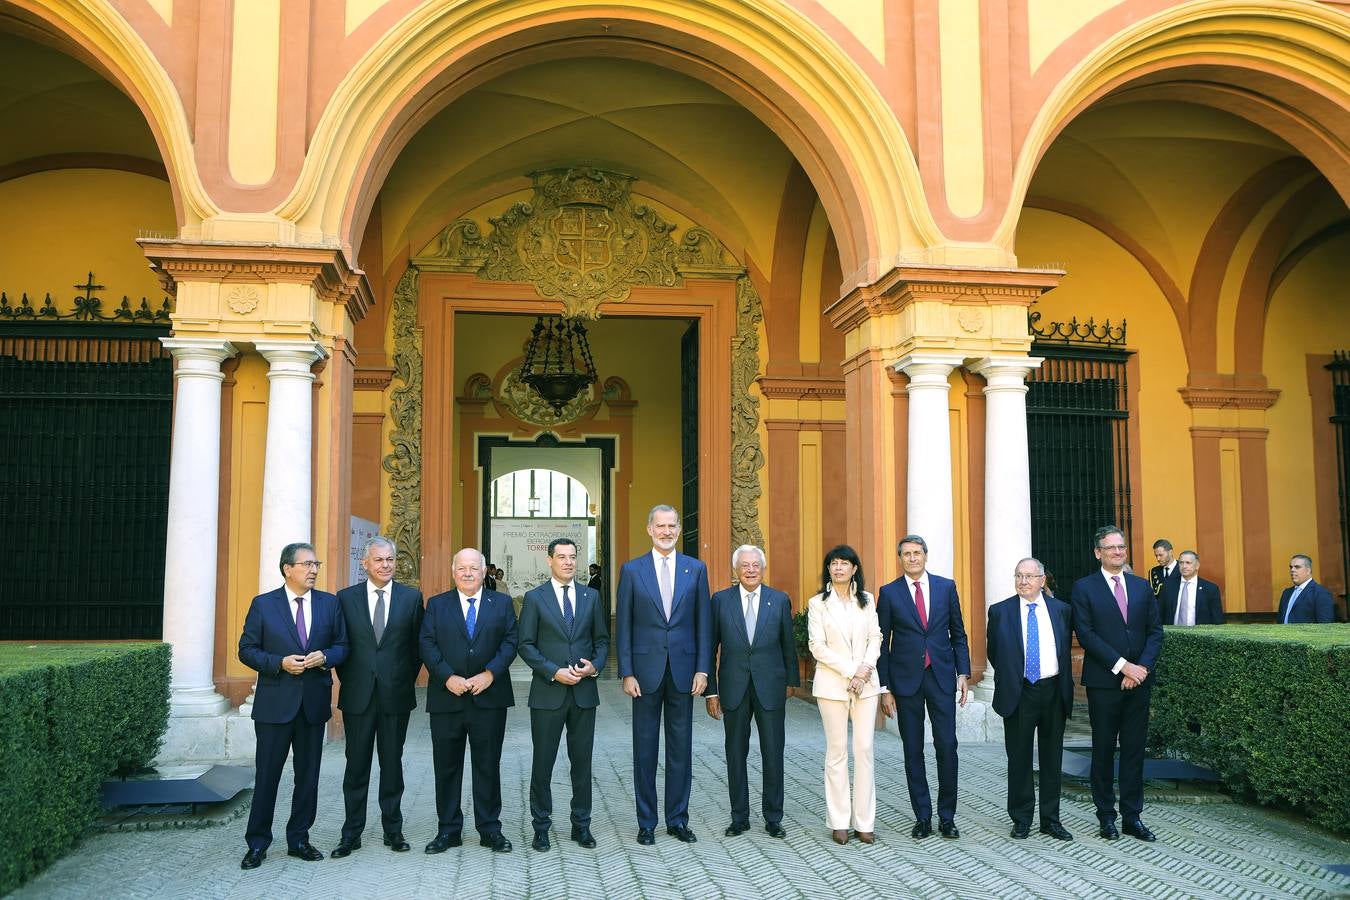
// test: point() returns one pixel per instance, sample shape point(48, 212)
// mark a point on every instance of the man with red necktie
point(1118, 623)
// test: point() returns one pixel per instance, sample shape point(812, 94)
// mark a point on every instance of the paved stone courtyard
point(1204, 849)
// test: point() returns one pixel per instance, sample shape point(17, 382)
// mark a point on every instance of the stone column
point(194, 504)
point(929, 504)
point(287, 479)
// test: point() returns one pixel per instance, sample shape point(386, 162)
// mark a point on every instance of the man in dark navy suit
point(379, 679)
point(468, 641)
point(1029, 639)
point(1305, 601)
point(1116, 617)
point(564, 639)
point(663, 638)
point(293, 637)
point(925, 663)
point(756, 672)
point(1188, 599)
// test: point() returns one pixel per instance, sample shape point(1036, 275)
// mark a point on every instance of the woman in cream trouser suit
point(846, 642)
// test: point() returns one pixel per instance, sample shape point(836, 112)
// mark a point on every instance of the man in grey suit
point(755, 674)
point(378, 692)
point(564, 640)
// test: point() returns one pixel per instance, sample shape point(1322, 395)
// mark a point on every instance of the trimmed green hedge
point(1267, 707)
point(73, 715)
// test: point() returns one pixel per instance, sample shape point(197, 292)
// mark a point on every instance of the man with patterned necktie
point(1028, 640)
point(1116, 617)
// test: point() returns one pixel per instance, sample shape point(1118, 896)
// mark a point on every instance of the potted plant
point(802, 636)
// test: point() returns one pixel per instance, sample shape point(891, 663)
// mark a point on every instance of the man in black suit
point(755, 674)
point(1305, 601)
point(468, 641)
point(564, 639)
point(1189, 599)
point(1029, 640)
point(1117, 621)
point(384, 625)
point(1166, 567)
point(663, 643)
point(292, 637)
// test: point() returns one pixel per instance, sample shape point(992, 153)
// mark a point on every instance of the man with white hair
point(755, 674)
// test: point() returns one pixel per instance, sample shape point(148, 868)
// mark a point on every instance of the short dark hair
point(911, 539)
point(848, 554)
point(559, 542)
point(288, 554)
point(1303, 556)
point(1100, 534)
point(1162, 542)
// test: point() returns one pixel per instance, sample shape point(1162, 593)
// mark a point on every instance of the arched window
point(541, 493)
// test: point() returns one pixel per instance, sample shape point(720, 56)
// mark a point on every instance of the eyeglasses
point(1113, 547)
point(1023, 576)
point(308, 564)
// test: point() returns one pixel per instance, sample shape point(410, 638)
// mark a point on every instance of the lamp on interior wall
point(558, 364)
point(533, 505)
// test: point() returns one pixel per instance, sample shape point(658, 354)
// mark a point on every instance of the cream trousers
point(860, 815)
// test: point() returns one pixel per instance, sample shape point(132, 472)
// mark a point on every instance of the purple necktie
point(1120, 597)
point(300, 622)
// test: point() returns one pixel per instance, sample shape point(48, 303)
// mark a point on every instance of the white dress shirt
point(464, 602)
point(295, 609)
point(1045, 633)
point(1186, 590)
point(927, 594)
point(371, 599)
point(571, 593)
point(1111, 586)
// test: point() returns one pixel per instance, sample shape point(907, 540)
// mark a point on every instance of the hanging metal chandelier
point(558, 364)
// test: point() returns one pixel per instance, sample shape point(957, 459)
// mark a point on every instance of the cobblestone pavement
point(1204, 849)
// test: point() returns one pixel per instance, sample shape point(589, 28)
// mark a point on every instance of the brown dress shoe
point(867, 837)
point(840, 835)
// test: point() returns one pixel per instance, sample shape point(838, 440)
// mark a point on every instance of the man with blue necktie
point(1305, 601)
point(663, 640)
point(1118, 623)
point(1028, 640)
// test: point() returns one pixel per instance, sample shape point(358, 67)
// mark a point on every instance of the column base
point(186, 703)
point(227, 737)
point(976, 723)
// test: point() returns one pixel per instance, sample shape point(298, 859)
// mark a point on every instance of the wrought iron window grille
point(1075, 332)
point(87, 307)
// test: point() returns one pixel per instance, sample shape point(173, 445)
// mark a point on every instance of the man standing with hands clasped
point(756, 672)
point(564, 640)
point(292, 637)
point(1118, 624)
point(663, 638)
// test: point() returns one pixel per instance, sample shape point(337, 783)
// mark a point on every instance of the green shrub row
point(1267, 707)
point(73, 715)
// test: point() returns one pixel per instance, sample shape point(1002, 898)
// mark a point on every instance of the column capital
point(197, 357)
point(290, 359)
point(1005, 373)
point(928, 369)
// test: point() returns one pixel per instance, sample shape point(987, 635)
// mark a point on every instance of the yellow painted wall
point(1104, 282)
point(1307, 315)
point(645, 353)
point(60, 225)
point(248, 444)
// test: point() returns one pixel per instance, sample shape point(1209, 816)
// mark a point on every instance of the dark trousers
point(1118, 715)
point(274, 742)
point(678, 709)
point(367, 731)
point(546, 728)
point(484, 730)
point(1039, 717)
point(941, 706)
point(769, 722)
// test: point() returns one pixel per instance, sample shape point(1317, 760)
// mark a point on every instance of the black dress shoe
point(736, 828)
point(681, 832)
point(775, 830)
point(443, 842)
point(1056, 831)
point(646, 837)
point(396, 842)
point(345, 848)
point(922, 828)
point(498, 843)
point(1020, 831)
point(583, 837)
point(1108, 831)
point(949, 830)
point(252, 859)
point(540, 841)
point(1137, 829)
point(305, 852)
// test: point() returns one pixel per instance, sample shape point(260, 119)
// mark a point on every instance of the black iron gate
point(1078, 439)
point(84, 497)
point(1340, 420)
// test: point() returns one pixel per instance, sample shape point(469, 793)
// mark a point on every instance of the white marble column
point(194, 506)
point(287, 476)
point(929, 513)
